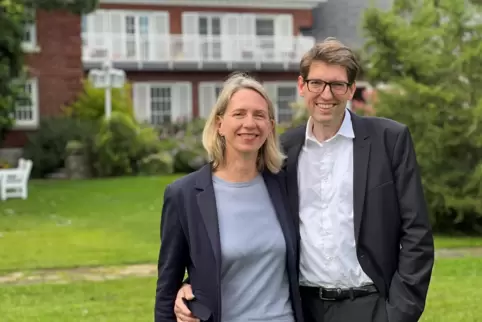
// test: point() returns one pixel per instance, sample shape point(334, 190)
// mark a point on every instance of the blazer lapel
point(207, 205)
point(293, 153)
point(361, 156)
point(277, 200)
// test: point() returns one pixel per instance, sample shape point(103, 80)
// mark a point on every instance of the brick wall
point(57, 65)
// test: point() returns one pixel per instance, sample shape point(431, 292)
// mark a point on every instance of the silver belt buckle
point(338, 291)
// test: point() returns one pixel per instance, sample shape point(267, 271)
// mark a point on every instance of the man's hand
point(180, 309)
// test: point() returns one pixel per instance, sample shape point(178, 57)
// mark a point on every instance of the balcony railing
point(194, 48)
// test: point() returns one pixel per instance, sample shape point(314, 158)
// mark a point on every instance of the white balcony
point(283, 4)
point(188, 52)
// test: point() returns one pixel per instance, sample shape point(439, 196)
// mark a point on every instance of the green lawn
point(116, 221)
point(457, 242)
point(94, 222)
point(454, 296)
point(81, 223)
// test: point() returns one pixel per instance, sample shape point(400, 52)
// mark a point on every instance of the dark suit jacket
point(190, 239)
point(393, 236)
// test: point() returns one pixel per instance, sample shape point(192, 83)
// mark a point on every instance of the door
point(265, 31)
point(210, 31)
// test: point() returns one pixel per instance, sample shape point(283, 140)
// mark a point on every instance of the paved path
point(68, 275)
point(64, 276)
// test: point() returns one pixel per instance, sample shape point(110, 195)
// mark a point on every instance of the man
point(366, 247)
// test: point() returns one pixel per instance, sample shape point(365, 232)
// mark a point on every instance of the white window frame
point(143, 114)
point(222, 15)
point(207, 98)
point(34, 106)
point(272, 89)
point(30, 45)
point(114, 36)
point(241, 26)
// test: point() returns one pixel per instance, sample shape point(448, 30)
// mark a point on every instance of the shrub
point(155, 164)
point(115, 145)
point(123, 147)
point(189, 160)
point(46, 146)
point(90, 104)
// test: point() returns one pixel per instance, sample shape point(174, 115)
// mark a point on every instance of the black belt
point(337, 294)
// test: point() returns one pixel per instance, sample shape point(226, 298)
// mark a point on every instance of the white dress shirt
point(325, 181)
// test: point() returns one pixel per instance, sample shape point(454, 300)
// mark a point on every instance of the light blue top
point(254, 279)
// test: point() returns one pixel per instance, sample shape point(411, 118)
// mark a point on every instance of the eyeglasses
point(318, 86)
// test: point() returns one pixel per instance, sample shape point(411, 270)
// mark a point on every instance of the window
point(210, 29)
point(208, 94)
point(265, 26)
point(286, 96)
point(265, 31)
point(137, 33)
point(127, 34)
point(283, 94)
point(159, 103)
point(230, 35)
point(26, 111)
point(30, 36)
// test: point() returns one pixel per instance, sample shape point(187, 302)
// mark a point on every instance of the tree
point(429, 52)
point(14, 15)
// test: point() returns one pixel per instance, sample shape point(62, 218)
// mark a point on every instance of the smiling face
point(246, 123)
point(326, 102)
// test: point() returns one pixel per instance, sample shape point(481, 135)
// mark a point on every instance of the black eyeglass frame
point(307, 81)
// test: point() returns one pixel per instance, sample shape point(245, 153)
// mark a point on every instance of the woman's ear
point(219, 123)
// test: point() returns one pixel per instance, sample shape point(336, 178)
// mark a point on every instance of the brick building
point(175, 53)
point(54, 59)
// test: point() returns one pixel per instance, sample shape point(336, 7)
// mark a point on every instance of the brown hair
point(331, 51)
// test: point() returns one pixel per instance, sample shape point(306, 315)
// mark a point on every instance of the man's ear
point(352, 90)
point(301, 86)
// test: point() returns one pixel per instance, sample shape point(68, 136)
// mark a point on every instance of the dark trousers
point(369, 308)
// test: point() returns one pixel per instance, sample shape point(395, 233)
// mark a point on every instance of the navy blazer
point(190, 239)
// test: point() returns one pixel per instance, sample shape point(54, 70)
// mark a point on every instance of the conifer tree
point(429, 53)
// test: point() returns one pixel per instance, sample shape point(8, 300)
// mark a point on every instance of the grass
point(457, 242)
point(116, 221)
point(454, 296)
point(94, 222)
point(82, 223)
point(127, 300)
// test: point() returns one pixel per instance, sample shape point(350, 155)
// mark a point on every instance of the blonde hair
point(269, 155)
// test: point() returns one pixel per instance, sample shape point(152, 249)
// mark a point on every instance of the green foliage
point(12, 20)
point(120, 144)
point(155, 164)
point(90, 104)
point(46, 147)
point(75, 6)
point(14, 14)
point(189, 159)
point(115, 145)
point(300, 114)
point(430, 53)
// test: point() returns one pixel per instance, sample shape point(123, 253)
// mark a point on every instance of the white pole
point(108, 102)
point(108, 95)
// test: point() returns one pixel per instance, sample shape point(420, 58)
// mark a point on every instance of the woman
point(228, 222)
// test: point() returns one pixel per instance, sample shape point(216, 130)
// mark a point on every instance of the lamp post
point(107, 77)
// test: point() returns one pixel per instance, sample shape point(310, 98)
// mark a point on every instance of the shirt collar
point(346, 129)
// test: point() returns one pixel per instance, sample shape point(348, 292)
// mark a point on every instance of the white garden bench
point(14, 182)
